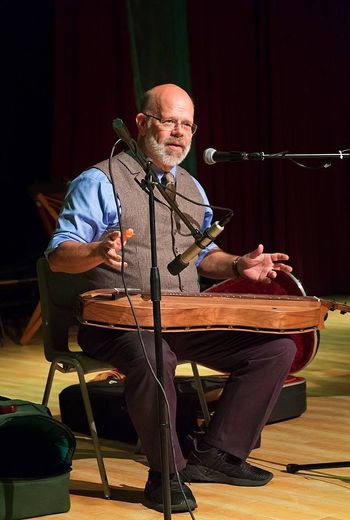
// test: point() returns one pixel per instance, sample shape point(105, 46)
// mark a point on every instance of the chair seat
point(87, 363)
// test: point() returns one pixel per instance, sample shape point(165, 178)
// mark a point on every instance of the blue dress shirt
point(90, 210)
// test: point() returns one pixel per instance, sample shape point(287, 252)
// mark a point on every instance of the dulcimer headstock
point(335, 306)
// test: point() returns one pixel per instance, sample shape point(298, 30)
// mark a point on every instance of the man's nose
point(177, 130)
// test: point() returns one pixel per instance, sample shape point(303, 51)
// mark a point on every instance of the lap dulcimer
point(180, 312)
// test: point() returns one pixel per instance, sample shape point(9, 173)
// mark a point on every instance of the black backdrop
point(266, 76)
point(26, 46)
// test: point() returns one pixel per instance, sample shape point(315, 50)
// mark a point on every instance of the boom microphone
point(212, 156)
point(181, 261)
point(123, 133)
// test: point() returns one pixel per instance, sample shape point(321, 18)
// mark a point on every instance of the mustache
point(175, 141)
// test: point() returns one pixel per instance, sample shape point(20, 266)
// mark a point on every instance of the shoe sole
point(198, 473)
point(178, 508)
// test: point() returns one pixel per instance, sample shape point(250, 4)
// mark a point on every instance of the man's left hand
point(262, 267)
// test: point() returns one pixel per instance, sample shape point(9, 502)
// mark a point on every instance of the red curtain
point(272, 76)
point(93, 82)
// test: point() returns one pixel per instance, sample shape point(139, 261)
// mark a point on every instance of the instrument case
point(110, 411)
point(36, 453)
point(113, 421)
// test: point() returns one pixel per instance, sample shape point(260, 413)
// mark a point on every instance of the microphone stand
point(155, 284)
point(260, 156)
point(286, 155)
point(148, 184)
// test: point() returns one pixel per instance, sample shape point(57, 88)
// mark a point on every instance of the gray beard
point(165, 157)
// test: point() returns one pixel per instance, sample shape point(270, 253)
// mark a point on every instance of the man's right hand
point(74, 257)
point(111, 246)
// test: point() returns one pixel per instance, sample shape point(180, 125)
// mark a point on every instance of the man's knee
point(283, 348)
point(148, 359)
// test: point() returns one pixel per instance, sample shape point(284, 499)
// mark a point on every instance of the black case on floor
point(113, 421)
point(108, 406)
point(110, 410)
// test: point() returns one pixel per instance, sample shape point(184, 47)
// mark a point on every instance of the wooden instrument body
point(285, 285)
point(205, 311)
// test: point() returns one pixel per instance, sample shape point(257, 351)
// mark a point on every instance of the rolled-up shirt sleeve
point(89, 210)
point(208, 217)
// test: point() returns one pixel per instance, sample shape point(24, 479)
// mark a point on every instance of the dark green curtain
point(159, 49)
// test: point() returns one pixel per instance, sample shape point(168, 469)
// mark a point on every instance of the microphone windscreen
point(208, 156)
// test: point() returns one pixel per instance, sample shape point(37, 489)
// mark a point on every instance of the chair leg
point(200, 391)
point(48, 385)
point(93, 432)
point(90, 418)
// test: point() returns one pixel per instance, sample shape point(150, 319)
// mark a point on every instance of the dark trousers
point(258, 364)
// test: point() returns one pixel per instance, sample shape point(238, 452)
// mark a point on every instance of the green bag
point(36, 454)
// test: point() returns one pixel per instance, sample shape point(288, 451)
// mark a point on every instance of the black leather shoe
point(154, 494)
point(214, 465)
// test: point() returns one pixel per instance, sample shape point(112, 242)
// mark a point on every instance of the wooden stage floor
point(321, 434)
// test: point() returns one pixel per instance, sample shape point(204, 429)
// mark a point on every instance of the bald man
point(87, 242)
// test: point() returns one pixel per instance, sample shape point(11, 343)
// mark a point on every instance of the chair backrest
point(59, 298)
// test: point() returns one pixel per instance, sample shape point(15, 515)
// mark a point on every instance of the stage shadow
point(121, 493)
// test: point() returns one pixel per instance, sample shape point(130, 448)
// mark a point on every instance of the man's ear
point(141, 123)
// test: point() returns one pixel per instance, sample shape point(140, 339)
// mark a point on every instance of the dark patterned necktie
point(168, 182)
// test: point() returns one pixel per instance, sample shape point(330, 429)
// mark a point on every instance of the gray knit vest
point(172, 237)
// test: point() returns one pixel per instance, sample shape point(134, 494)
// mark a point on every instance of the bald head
point(162, 95)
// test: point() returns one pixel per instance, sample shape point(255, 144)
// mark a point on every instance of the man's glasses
point(171, 124)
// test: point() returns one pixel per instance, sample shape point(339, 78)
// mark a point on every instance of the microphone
point(181, 261)
point(212, 156)
point(123, 133)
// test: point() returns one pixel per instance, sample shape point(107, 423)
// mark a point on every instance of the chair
point(57, 306)
point(58, 301)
